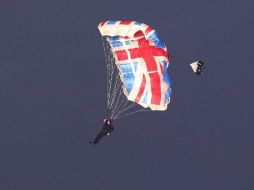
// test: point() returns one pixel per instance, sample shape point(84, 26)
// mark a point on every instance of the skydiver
point(106, 130)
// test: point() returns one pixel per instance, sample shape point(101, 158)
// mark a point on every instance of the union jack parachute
point(137, 62)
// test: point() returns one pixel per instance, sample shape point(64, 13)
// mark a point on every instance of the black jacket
point(106, 129)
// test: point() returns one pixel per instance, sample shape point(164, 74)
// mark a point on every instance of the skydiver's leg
point(99, 137)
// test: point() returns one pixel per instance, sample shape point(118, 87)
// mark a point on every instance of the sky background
point(53, 98)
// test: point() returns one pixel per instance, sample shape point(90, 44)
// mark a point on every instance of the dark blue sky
point(53, 92)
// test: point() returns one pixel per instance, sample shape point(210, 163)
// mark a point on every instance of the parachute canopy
point(141, 60)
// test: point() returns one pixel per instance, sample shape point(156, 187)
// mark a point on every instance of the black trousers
point(100, 136)
point(104, 131)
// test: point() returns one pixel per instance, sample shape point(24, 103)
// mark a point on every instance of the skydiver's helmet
point(107, 121)
point(197, 67)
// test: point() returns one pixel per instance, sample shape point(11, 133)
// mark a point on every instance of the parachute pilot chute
point(197, 67)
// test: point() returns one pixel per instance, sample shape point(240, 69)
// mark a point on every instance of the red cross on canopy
point(147, 52)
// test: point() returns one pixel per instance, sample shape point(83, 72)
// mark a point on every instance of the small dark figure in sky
point(201, 67)
point(198, 67)
point(106, 130)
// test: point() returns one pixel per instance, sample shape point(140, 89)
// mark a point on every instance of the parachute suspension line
point(109, 71)
point(115, 88)
point(108, 66)
point(125, 108)
point(116, 113)
point(111, 77)
point(117, 102)
point(133, 112)
point(115, 94)
point(119, 98)
point(120, 106)
point(105, 54)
